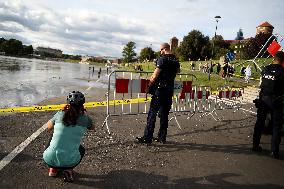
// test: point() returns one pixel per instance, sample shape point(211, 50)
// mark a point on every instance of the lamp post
point(150, 48)
point(213, 45)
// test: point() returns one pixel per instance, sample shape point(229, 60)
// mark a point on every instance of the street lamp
point(213, 45)
point(150, 48)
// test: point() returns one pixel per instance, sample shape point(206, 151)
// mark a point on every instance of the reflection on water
point(26, 82)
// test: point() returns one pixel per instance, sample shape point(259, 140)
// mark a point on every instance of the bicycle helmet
point(76, 98)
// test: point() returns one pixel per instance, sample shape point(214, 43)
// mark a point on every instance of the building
point(237, 46)
point(265, 28)
point(48, 51)
point(173, 43)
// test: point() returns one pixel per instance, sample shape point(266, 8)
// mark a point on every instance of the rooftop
point(265, 24)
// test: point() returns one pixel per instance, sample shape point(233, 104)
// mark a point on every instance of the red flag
point(273, 48)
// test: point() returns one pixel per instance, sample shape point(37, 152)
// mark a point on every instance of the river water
point(25, 82)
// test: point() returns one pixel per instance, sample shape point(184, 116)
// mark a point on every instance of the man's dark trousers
point(275, 106)
point(161, 101)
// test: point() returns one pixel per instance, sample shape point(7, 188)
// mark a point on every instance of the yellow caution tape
point(86, 105)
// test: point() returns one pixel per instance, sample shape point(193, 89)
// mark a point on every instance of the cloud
point(86, 32)
point(103, 27)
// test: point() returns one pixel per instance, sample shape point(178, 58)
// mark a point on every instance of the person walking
point(64, 151)
point(270, 100)
point(218, 68)
point(161, 88)
point(247, 73)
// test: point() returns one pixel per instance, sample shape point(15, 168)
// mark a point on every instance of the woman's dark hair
point(72, 112)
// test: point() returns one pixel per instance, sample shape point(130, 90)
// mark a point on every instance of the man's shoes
point(257, 149)
point(156, 139)
point(275, 155)
point(142, 140)
point(52, 172)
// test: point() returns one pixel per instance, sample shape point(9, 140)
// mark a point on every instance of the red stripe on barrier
point(199, 94)
point(192, 94)
point(220, 94)
point(121, 85)
point(207, 94)
point(182, 95)
point(187, 87)
point(144, 85)
point(227, 94)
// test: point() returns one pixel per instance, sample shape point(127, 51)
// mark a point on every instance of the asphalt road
point(204, 154)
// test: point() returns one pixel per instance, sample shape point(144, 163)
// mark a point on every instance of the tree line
point(15, 47)
point(196, 46)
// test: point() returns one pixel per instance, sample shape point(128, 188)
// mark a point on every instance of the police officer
point(270, 100)
point(161, 87)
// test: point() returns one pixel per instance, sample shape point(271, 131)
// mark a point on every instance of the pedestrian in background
point(218, 68)
point(247, 73)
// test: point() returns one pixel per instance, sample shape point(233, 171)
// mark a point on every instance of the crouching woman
point(64, 151)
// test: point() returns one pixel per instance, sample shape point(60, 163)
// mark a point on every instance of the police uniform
point(162, 97)
point(270, 100)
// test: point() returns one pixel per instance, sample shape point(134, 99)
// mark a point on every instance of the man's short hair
point(279, 56)
point(165, 45)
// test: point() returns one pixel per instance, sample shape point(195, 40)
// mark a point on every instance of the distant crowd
point(226, 70)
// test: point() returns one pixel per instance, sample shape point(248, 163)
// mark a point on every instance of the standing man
point(161, 87)
point(270, 100)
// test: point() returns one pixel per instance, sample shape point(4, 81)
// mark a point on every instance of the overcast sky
point(103, 27)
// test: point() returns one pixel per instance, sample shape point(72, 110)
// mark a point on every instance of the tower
point(173, 43)
point(265, 28)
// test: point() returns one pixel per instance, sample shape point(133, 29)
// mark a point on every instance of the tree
point(147, 53)
point(254, 45)
point(128, 52)
point(27, 50)
point(220, 46)
point(194, 46)
point(12, 47)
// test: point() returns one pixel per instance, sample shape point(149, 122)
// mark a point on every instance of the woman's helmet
point(76, 98)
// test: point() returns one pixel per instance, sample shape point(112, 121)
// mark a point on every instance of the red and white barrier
point(129, 86)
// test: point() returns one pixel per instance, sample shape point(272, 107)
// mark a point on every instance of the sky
point(103, 27)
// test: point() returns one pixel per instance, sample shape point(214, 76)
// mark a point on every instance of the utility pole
point(213, 46)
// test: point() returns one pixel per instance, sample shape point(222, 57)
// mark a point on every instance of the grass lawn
point(202, 78)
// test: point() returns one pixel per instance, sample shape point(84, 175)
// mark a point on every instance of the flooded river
point(25, 82)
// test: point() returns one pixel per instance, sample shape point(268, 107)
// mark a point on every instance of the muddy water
point(25, 82)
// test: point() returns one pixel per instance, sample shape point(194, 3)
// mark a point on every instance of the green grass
point(71, 60)
point(202, 78)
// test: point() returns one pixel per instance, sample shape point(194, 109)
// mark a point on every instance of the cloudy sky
point(103, 27)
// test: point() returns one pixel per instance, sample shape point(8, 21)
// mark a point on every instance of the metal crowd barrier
point(127, 95)
point(229, 98)
point(196, 100)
